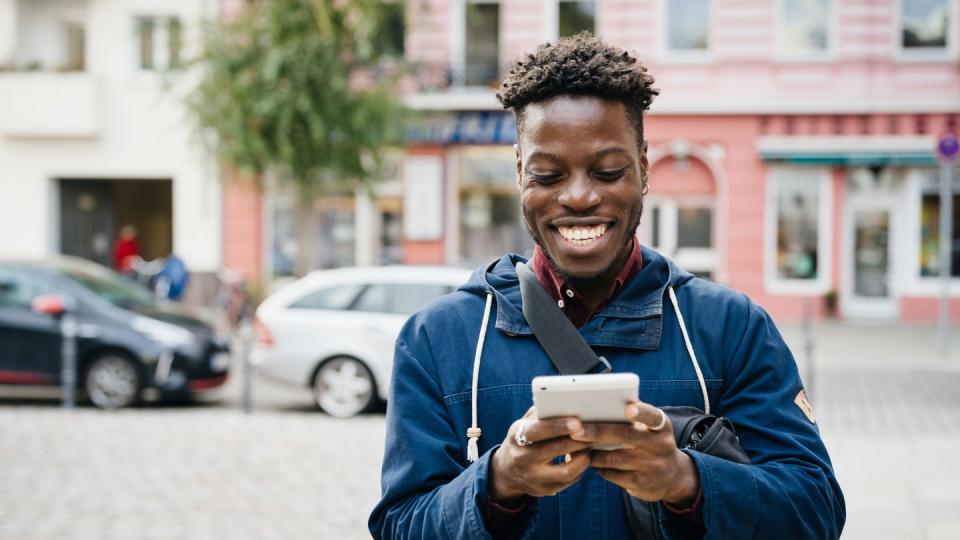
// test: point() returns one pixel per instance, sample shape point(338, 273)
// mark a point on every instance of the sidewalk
point(888, 405)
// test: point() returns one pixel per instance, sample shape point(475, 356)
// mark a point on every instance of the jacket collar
point(632, 319)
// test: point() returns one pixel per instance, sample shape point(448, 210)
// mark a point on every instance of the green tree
point(296, 89)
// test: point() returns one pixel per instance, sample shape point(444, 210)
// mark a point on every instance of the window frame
point(684, 56)
point(827, 55)
point(161, 42)
point(773, 283)
point(914, 283)
point(552, 18)
point(948, 53)
point(694, 259)
point(458, 41)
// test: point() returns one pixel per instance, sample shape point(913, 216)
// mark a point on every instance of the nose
point(579, 193)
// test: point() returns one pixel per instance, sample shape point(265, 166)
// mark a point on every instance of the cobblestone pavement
point(890, 419)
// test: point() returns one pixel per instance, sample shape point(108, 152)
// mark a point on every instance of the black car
point(127, 342)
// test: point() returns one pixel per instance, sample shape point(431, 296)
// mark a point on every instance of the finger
point(537, 430)
point(648, 415)
point(549, 479)
point(621, 460)
point(608, 433)
point(547, 450)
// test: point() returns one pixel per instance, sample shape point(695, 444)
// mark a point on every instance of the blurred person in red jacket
point(125, 249)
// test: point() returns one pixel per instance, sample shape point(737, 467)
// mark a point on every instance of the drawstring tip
point(473, 453)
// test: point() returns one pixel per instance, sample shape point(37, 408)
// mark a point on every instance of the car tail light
point(264, 337)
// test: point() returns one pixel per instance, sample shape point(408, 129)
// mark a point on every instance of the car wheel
point(344, 387)
point(112, 382)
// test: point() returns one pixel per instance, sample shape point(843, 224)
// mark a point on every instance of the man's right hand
point(531, 470)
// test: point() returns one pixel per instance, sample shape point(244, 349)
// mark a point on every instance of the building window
point(160, 42)
point(930, 230)
point(804, 28)
point(482, 43)
point(924, 25)
point(683, 230)
point(799, 216)
point(577, 16)
point(687, 25)
point(389, 40)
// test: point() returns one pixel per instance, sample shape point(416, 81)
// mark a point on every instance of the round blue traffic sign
point(948, 147)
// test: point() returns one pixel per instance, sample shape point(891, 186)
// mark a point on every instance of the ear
point(516, 151)
point(644, 161)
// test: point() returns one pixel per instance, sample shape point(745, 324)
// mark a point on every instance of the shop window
point(925, 26)
point(160, 42)
point(930, 234)
point(482, 43)
point(804, 28)
point(687, 25)
point(576, 17)
point(799, 217)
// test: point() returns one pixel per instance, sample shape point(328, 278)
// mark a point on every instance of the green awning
point(851, 159)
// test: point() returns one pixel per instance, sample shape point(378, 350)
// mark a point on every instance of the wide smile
point(583, 238)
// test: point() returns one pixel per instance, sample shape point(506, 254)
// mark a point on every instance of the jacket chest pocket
point(497, 408)
point(678, 392)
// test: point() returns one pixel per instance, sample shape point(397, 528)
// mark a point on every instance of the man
point(582, 171)
point(125, 249)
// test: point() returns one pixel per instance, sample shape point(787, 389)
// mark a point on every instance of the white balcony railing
point(40, 105)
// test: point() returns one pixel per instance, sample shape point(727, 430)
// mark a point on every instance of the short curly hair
point(579, 65)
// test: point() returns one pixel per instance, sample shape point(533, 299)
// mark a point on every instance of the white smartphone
point(592, 398)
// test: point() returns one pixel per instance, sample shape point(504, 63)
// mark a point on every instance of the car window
point(399, 298)
point(338, 297)
point(112, 287)
point(19, 287)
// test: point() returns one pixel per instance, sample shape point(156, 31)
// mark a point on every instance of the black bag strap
point(565, 346)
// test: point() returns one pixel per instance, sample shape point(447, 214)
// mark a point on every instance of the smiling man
point(466, 457)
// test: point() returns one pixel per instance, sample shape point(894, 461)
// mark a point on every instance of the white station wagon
point(334, 331)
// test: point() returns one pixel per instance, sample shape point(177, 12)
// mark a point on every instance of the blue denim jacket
point(430, 490)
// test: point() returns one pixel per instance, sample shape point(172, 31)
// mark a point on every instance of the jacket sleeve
point(789, 491)
point(426, 490)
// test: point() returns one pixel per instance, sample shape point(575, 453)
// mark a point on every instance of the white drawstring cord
point(473, 432)
point(693, 355)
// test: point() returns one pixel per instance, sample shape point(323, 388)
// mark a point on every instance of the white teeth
point(582, 234)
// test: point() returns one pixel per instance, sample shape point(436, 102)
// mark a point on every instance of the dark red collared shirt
point(572, 302)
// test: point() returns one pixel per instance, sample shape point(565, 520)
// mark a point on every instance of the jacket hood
point(641, 297)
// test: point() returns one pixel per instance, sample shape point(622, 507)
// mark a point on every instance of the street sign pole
point(946, 254)
point(948, 153)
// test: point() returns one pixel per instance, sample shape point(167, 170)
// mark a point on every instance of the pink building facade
point(792, 145)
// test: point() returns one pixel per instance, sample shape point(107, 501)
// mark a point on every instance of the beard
point(608, 274)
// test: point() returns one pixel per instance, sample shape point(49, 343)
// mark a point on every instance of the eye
point(611, 174)
point(544, 177)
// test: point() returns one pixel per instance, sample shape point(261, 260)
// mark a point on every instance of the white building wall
point(141, 132)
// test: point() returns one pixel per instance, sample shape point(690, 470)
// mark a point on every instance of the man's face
point(579, 170)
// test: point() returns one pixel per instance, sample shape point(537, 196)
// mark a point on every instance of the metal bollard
point(68, 360)
point(245, 333)
point(808, 346)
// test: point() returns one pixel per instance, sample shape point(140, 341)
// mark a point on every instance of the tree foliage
point(295, 88)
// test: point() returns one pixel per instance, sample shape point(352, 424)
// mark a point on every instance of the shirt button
point(560, 303)
point(570, 293)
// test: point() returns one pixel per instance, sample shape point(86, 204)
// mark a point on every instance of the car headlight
point(163, 333)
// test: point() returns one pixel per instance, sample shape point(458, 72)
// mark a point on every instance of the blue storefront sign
point(486, 127)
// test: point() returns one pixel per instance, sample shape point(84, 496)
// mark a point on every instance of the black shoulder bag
point(693, 429)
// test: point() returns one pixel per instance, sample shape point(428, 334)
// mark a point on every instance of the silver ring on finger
point(663, 421)
point(520, 437)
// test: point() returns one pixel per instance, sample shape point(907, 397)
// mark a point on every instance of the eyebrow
point(558, 160)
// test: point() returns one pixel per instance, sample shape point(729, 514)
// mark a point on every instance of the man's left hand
point(649, 466)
